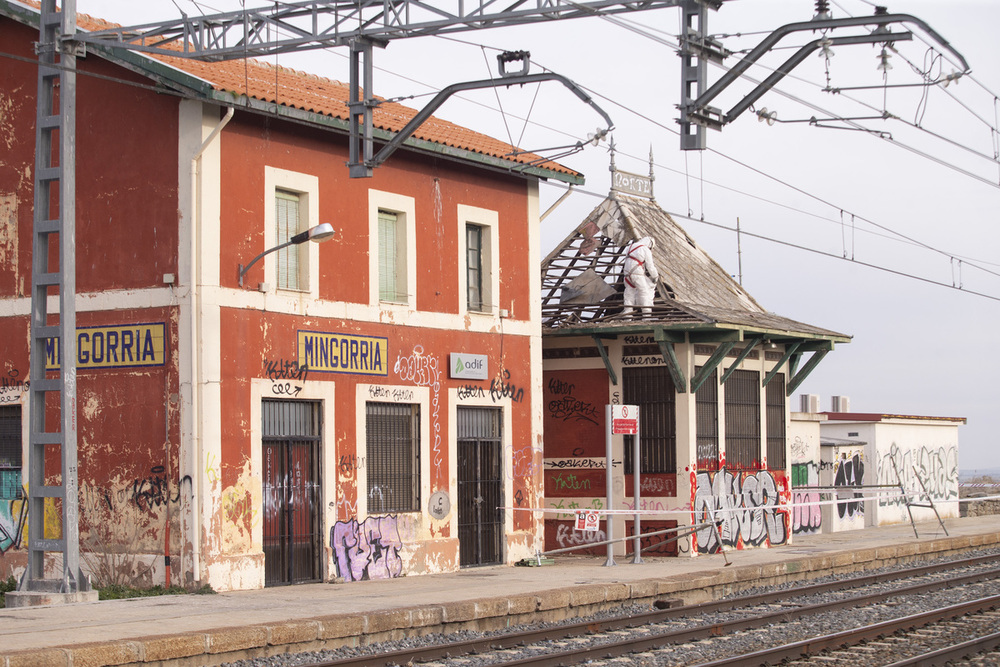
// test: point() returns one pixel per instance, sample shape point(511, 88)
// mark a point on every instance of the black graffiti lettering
point(285, 389)
point(501, 389)
point(286, 370)
point(470, 391)
point(569, 408)
point(557, 386)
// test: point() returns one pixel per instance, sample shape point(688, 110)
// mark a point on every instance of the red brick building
point(356, 408)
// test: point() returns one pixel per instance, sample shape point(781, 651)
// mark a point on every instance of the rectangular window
point(652, 389)
point(288, 223)
point(775, 398)
point(393, 457)
point(743, 420)
point(707, 418)
point(474, 266)
point(10, 452)
point(391, 258)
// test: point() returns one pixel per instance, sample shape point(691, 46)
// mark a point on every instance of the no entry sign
point(624, 419)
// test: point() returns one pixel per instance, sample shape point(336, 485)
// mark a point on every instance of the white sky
point(919, 348)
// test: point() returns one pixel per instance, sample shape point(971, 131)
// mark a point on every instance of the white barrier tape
point(778, 506)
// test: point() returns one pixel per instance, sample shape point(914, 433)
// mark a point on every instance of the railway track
point(741, 630)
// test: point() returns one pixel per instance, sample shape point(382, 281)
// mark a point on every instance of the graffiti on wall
point(850, 471)
point(567, 407)
point(746, 507)
point(937, 468)
point(424, 370)
point(502, 387)
point(146, 494)
point(287, 377)
point(12, 386)
point(13, 522)
point(367, 550)
point(807, 514)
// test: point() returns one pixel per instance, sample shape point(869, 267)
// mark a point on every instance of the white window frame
point(405, 209)
point(490, 223)
point(306, 186)
point(407, 394)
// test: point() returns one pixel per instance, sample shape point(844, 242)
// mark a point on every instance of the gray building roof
point(582, 281)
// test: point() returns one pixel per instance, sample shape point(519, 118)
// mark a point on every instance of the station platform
point(224, 627)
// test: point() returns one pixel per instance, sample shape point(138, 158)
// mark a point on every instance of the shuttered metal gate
point(292, 501)
point(480, 487)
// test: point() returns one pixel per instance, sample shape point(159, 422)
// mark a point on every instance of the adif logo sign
point(468, 366)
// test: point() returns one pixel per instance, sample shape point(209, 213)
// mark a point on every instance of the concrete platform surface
point(210, 629)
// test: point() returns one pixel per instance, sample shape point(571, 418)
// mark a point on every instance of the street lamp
point(318, 233)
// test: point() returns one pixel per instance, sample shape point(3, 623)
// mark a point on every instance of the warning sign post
point(622, 420)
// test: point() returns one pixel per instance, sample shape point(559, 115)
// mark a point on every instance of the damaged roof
point(582, 288)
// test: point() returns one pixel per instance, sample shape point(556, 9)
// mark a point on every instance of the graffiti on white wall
point(367, 550)
point(424, 370)
point(746, 505)
point(807, 513)
point(937, 468)
point(849, 470)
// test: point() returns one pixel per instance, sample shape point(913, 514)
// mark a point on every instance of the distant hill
point(966, 475)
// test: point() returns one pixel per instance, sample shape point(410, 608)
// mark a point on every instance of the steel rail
point(774, 655)
point(952, 653)
point(853, 637)
point(485, 644)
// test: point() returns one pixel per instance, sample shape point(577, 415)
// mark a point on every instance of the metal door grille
point(480, 486)
point(743, 420)
point(707, 418)
point(292, 498)
point(393, 457)
point(10, 452)
point(775, 397)
point(652, 389)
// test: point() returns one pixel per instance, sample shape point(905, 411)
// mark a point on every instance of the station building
point(864, 469)
point(709, 369)
point(359, 408)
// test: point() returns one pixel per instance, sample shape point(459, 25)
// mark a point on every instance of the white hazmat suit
point(640, 274)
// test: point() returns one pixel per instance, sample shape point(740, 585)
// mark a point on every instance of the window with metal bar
point(393, 457)
point(10, 452)
point(652, 389)
point(288, 219)
point(775, 413)
point(707, 422)
point(742, 413)
point(391, 258)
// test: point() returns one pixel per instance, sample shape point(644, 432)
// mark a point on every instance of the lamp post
point(319, 233)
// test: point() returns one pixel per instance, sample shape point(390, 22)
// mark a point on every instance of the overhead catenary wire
point(645, 33)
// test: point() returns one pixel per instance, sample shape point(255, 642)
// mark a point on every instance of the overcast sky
point(885, 229)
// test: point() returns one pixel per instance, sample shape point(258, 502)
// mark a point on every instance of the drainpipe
point(195, 334)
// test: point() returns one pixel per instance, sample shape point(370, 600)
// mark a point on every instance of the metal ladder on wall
point(910, 503)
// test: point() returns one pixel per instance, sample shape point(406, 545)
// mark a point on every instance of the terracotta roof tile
point(291, 88)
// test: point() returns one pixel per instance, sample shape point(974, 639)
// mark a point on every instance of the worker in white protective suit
point(640, 274)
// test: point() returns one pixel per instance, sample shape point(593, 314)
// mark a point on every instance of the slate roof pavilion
point(696, 300)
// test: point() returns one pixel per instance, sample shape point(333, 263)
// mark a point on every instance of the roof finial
point(652, 177)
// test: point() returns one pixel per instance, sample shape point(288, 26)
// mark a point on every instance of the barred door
point(480, 487)
point(292, 539)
